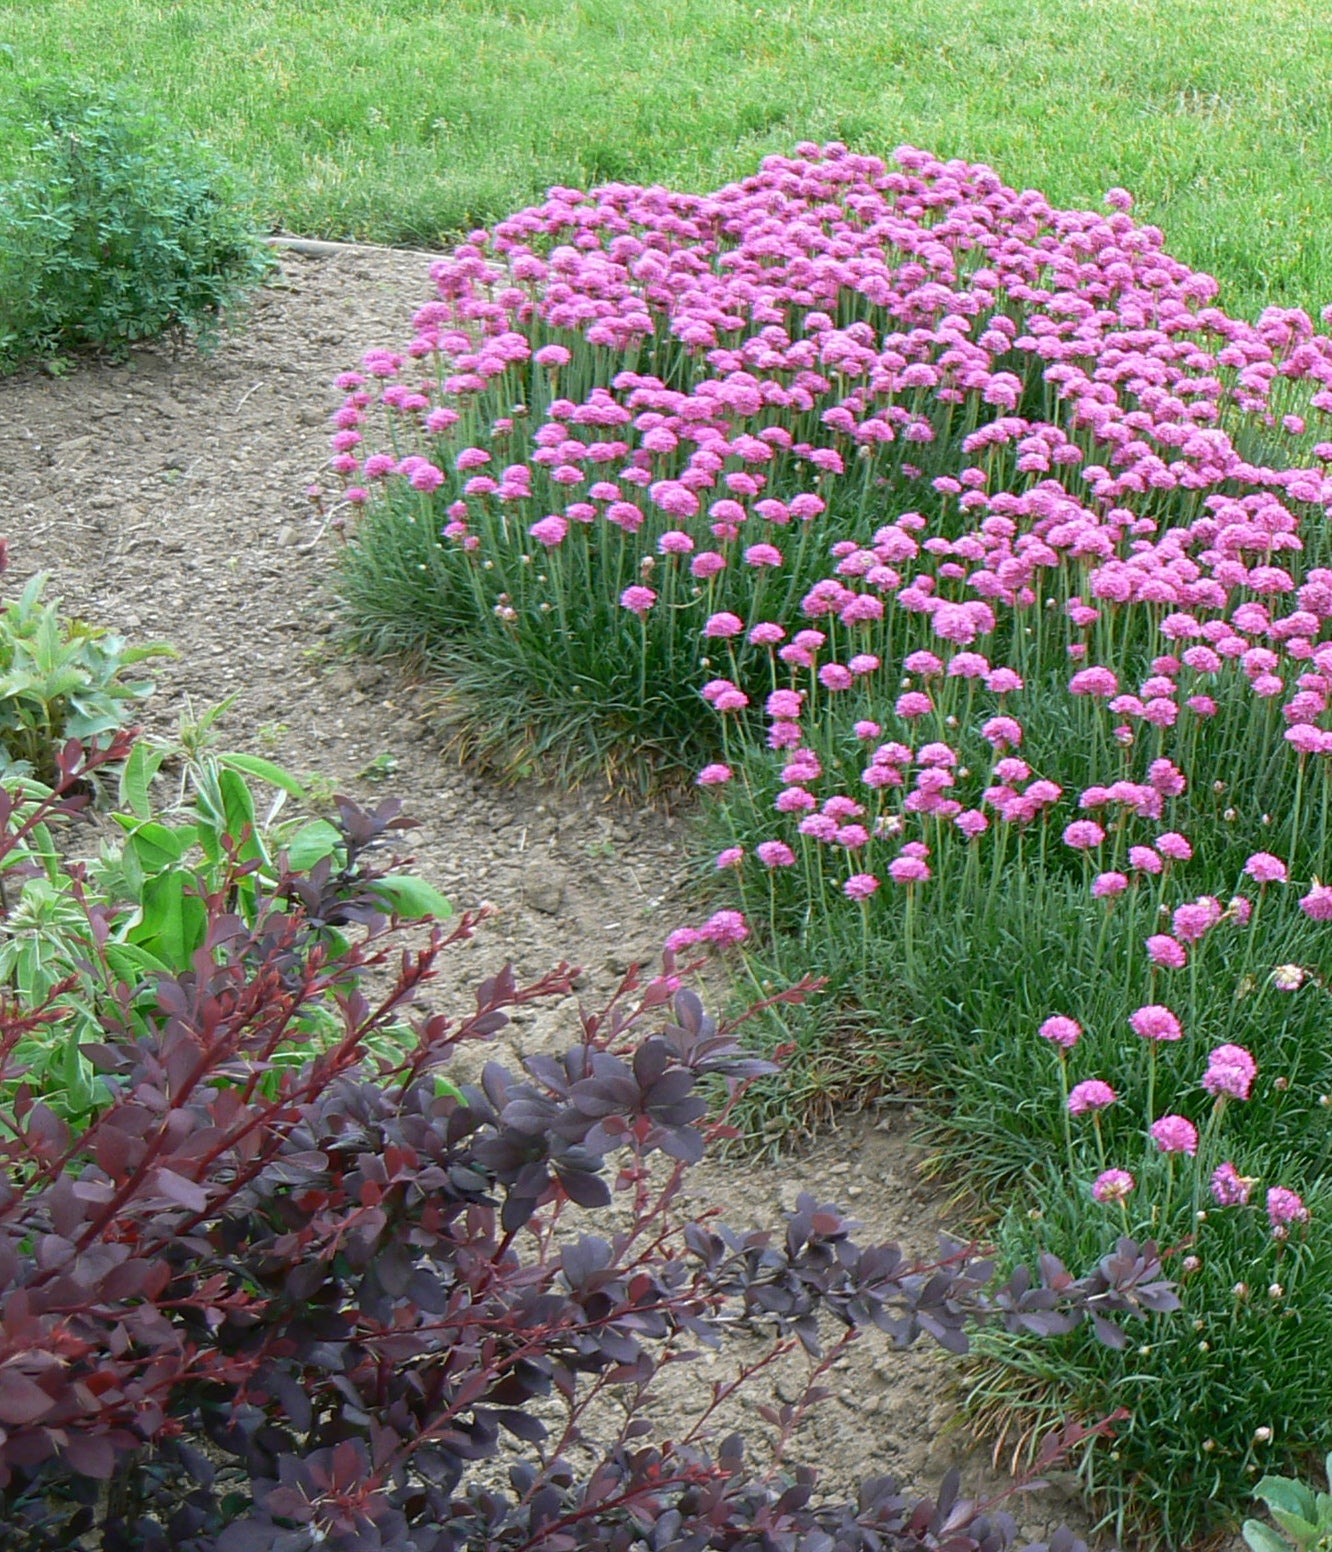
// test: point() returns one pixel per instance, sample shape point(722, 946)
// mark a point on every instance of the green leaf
point(265, 770)
point(1302, 1531)
point(173, 921)
point(131, 962)
point(311, 843)
point(1262, 1538)
point(411, 898)
point(1287, 1494)
point(158, 847)
point(151, 649)
point(136, 779)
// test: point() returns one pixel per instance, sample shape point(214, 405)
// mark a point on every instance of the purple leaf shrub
point(256, 1307)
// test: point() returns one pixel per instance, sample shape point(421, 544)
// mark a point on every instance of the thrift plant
point(979, 559)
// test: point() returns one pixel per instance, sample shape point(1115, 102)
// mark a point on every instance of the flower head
point(1284, 1208)
point(1229, 1187)
point(1166, 951)
point(1230, 1071)
point(908, 870)
point(1264, 868)
point(1175, 1134)
point(860, 886)
point(1155, 1022)
point(774, 854)
point(1113, 1185)
point(1090, 1094)
point(638, 599)
point(1083, 834)
point(1065, 1032)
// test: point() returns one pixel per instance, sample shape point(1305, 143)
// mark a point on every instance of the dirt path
point(166, 497)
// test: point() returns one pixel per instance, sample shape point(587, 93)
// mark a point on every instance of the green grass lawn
point(412, 120)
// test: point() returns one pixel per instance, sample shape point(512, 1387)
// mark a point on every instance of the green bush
point(139, 911)
point(59, 679)
point(117, 228)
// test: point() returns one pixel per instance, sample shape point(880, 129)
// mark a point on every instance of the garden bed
point(167, 499)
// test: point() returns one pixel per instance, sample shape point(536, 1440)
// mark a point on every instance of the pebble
point(544, 889)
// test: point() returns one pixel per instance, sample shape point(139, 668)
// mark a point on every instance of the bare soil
point(166, 497)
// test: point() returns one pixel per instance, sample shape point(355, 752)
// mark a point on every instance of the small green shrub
point(59, 679)
point(116, 229)
point(102, 935)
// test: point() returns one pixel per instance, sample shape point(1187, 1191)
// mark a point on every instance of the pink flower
point(867, 730)
point(1144, 859)
point(673, 542)
point(707, 563)
point(552, 356)
point(1175, 1134)
point(550, 531)
point(725, 927)
point(1093, 681)
point(1083, 834)
point(908, 870)
point(1065, 1032)
point(1003, 681)
point(732, 857)
point(833, 676)
point(1192, 922)
point(723, 624)
point(1106, 885)
point(1163, 950)
point(1317, 904)
point(713, 776)
point(638, 599)
point(915, 704)
point(774, 854)
point(972, 823)
point(763, 555)
point(1229, 1187)
point(860, 886)
point(1174, 846)
point(1155, 1022)
point(1090, 1094)
point(1284, 1208)
point(1002, 733)
point(766, 634)
point(784, 703)
point(924, 663)
point(425, 477)
point(1230, 1071)
point(1264, 868)
point(1113, 1185)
